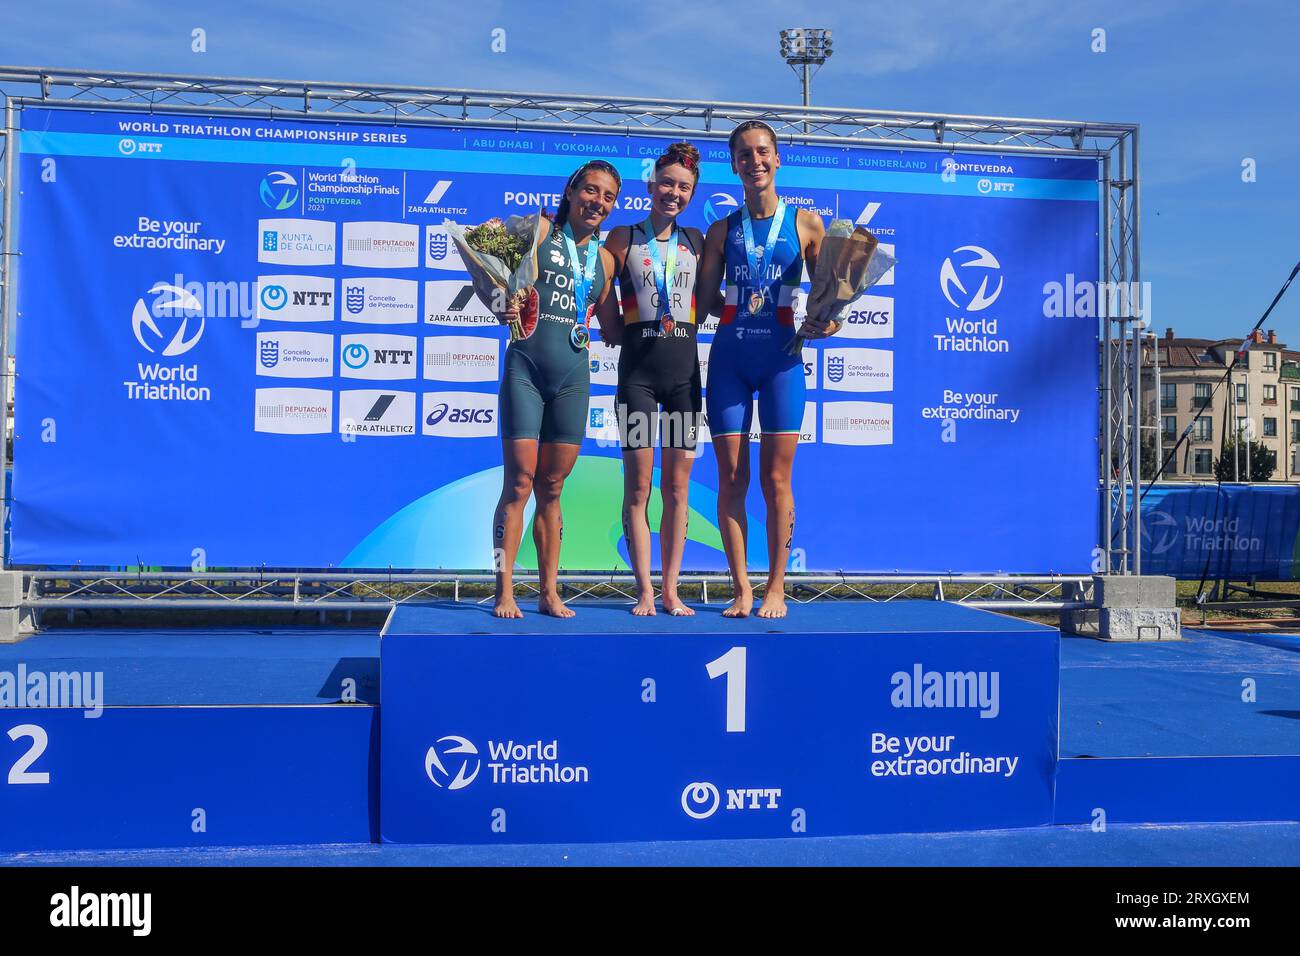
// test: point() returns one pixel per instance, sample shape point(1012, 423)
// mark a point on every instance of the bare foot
point(645, 605)
point(741, 606)
point(673, 605)
point(773, 605)
point(553, 606)
point(506, 607)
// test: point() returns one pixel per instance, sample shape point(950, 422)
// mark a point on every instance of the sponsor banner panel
point(549, 738)
point(380, 301)
point(955, 407)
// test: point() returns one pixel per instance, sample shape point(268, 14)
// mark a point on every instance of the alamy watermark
point(79, 690)
point(1085, 299)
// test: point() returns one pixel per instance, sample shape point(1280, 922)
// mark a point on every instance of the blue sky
point(1211, 84)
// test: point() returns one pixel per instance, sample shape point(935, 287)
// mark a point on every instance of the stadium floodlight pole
point(801, 48)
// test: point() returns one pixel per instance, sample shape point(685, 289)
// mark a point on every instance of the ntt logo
point(700, 800)
point(459, 753)
point(355, 355)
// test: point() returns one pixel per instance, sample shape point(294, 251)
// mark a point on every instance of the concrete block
point(1134, 590)
point(1084, 622)
point(11, 588)
point(1156, 590)
point(1139, 624)
point(16, 624)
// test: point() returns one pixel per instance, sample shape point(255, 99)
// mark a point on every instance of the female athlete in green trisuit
point(543, 397)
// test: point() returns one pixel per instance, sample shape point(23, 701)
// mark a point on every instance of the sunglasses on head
point(600, 164)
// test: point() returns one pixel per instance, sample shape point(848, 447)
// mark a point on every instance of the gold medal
point(755, 303)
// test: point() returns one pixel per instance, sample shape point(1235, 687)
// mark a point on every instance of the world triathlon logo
point(279, 190)
point(455, 752)
point(719, 206)
point(274, 297)
point(1160, 531)
point(179, 311)
point(355, 298)
point(437, 246)
point(982, 265)
point(356, 355)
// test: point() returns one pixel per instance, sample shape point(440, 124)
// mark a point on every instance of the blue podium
point(840, 719)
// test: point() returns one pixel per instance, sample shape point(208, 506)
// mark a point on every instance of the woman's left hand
point(818, 328)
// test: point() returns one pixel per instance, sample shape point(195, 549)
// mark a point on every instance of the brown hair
point(562, 213)
point(683, 154)
point(745, 127)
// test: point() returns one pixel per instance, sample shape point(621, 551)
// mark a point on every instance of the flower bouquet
point(501, 258)
point(849, 263)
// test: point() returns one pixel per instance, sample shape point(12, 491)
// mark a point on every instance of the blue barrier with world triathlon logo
point(611, 728)
point(1229, 531)
point(248, 342)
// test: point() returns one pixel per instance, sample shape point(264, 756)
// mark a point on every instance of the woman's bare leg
point(638, 469)
point(554, 462)
point(674, 489)
point(775, 462)
point(519, 457)
point(732, 452)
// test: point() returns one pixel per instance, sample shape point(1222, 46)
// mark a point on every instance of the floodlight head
point(803, 45)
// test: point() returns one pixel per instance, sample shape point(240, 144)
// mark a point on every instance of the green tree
point(1262, 461)
point(1149, 463)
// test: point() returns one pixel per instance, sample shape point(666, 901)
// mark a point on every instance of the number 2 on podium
point(732, 664)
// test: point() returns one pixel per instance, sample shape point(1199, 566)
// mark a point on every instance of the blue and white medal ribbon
point(663, 273)
point(583, 278)
point(760, 257)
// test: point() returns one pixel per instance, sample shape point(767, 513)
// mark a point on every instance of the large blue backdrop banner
point(249, 342)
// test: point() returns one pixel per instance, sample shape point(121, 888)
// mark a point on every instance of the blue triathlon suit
point(748, 353)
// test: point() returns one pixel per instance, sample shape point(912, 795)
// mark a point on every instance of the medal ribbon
point(663, 273)
point(582, 278)
point(758, 265)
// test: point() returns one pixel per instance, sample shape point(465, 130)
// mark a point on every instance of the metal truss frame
point(1121, 360)
point(1113, 145)
point(332, 591)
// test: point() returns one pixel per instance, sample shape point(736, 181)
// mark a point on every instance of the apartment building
point(1261, 396)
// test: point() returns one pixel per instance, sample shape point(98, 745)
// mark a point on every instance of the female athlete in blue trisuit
point(658, 367)
point(543, 397)
point(762, 246)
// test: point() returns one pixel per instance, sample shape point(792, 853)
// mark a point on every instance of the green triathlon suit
point(547, 378)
